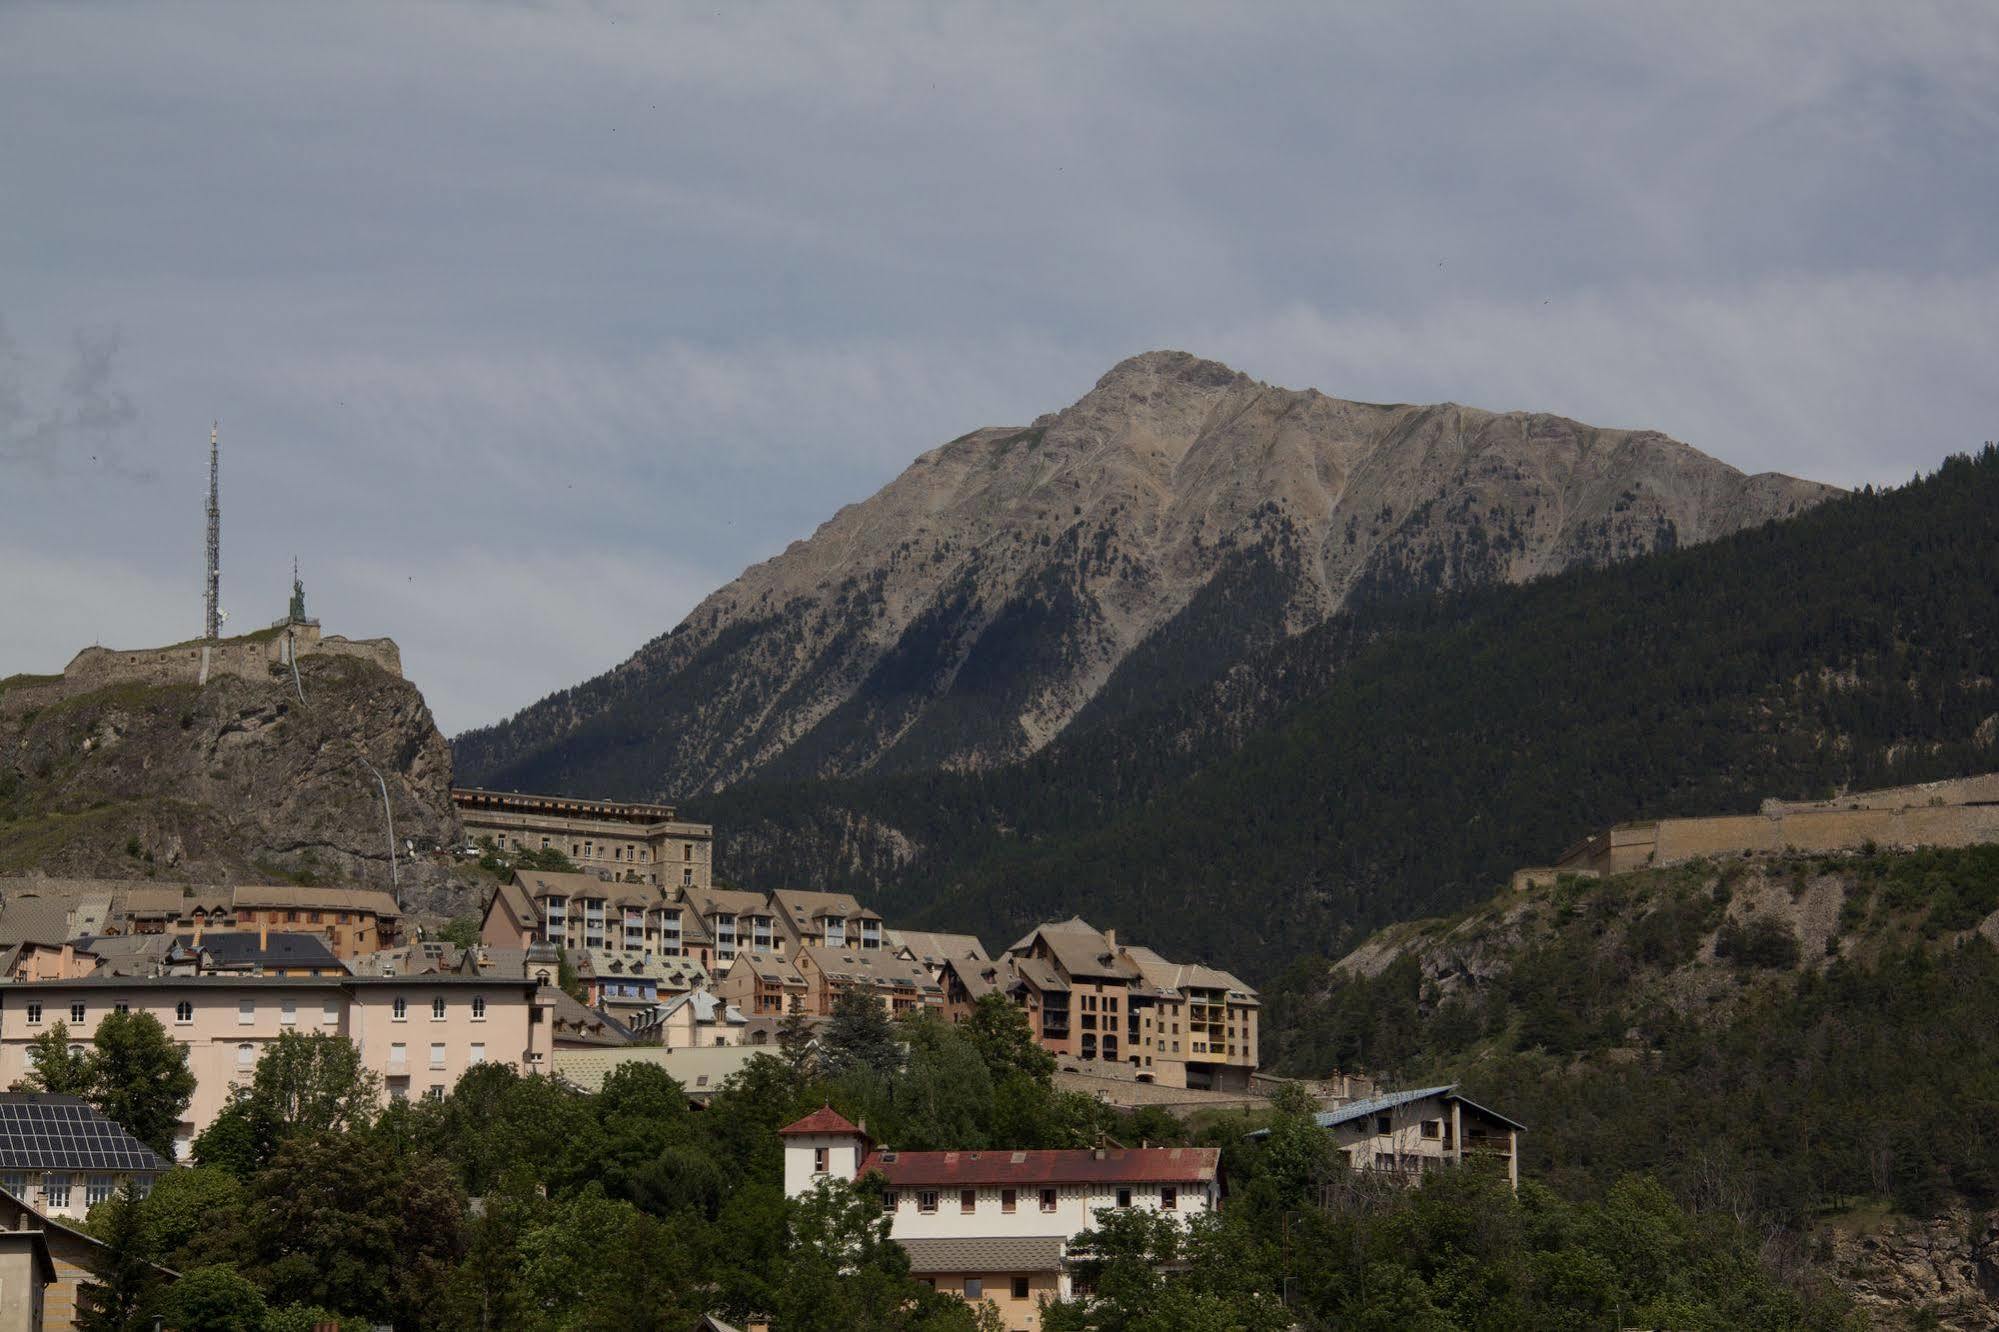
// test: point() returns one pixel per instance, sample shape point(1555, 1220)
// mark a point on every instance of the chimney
point(198, 919)
point(1110, 937)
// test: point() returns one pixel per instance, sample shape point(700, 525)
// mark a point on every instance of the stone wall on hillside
point(1958, 813)
point(252, 657)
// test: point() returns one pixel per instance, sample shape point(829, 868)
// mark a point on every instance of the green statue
point(297, 615)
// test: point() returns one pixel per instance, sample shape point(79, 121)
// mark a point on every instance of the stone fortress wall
point(252, 656)
point(1960, 812)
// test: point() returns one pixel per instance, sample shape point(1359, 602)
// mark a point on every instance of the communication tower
point(212, 622)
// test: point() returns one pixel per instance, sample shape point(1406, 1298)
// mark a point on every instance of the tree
point(315, 1084)
point(858, 1036)
point(461, 930)
point(843, 1271)
point(795, 1042)
point(1005, 1040)
point(213, 1299)
point(194, 1218)
point(119, 1298)
point(56, 1066)
point(943, 1096)
point(140, 1078)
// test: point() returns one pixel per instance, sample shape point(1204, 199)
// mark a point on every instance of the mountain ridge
point(972, 609)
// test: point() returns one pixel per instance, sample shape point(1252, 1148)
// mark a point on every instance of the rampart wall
point(252, 656)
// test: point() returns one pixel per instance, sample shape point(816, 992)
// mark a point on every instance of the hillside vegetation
point(1403, 758)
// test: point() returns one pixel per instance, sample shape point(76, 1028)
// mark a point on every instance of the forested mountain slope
point(1420, 748)
point(1804, 1043)
point(1178, 518)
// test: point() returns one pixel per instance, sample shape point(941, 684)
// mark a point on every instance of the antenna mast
point(212, 622)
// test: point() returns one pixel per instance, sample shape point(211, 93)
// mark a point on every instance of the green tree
point(119, 1297)
point(140, 1078)
point(943, 1096)
point(56, 1066)
point(842, 1270)
point(795, 1039)
point(461, 930)
point(999, 1029)
point(194, 1218)
point(213, 1299)
point(315, 1084)
point(858, 1036)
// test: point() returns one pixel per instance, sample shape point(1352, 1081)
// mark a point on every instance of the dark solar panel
point(56, 1134)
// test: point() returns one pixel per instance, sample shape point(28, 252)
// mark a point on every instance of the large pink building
point(420, 1033)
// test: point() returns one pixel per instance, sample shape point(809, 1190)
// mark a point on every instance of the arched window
point(401, 1009)
point(437, 1009)
point(479, 1007)
point(183, 1011)
point(246, 1056)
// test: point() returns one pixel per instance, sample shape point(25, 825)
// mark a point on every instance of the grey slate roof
point(1374, 1105)
point(63, 1133)
point(242, 948)
point(985, 1254)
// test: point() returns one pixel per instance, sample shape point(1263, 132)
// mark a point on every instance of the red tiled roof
point(823, 1120)
point(1125, 1165)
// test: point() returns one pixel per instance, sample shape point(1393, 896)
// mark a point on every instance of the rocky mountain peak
point(1177, 516)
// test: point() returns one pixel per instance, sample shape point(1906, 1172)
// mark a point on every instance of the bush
point(1761, 943)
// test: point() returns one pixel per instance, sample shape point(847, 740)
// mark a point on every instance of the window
point(246, 1012)
point(314, 918)
point(400, 1010)
point(478, 1053)
point(818, 1160)
point(55, 1191)
point(329, 1013)
point(687, 851)
point(437, 1054)
point(76, 1012)
point(1433, 1128)
point(478, 1008)
point(246, 1055)
point(437, 1009)
point(398, 1058)
point(926, 1200)
point(968, 1200)
point(890, 1200)
point(291, 917)
point(975, 1288)
point(687, 878)
point(1381, 1124)
point(433, 1093)
point(1007, 1197)
point(1048, 1200)
point(1169, 1198)
point(96, 1188)
point(183, 1012)
point(288, 1012)
point(15, 1183)
point(122, 1008)
point(34, 1013)
point(1124, 1197)
point(399, 1093)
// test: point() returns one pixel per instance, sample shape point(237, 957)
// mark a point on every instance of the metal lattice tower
point(212, 626)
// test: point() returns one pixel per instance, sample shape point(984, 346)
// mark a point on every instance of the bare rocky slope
point(1014, 582)
point(229, 782)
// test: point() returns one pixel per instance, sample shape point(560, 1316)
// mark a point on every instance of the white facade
point(811, 1157)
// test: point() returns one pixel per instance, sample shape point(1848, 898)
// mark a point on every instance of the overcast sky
point(528, 325)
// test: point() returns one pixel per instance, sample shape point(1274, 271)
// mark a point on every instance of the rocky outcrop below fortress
point(1941, 1272)
point(1168, 525)
point(253, 776)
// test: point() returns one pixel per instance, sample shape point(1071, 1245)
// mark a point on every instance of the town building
point(1406, 1133)
point(902, 986)
point(936, 951)
point(1089, 998)
point(825, 920)
point(589, 911)
point(699, 1069)
point(77, 1258)
point(997, 1225)
point(641, 843)
point(729, 922)
point(62, 1157)
point(250, 953)
point(352, 920)
point(26, 1272)
point(764, 985)
point(420, 1033)
point(627, 986)
point(692, 1019)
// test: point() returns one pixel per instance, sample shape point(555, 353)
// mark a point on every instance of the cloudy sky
point(528, 325)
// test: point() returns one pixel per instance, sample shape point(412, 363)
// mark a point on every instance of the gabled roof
point(561, 883)
point(575, 1021)
point(800, 907)
point(48, 919)
point(513, 898)
point(978, 978)
point(1080, 950)
point(1116, 1165)
point(823, 1120)
point(728, 902)
point(935, 949)
point(707, 1008)
point(257, 896)
point(875, 966)
point(246, 948)
point(1355, 1111)
point(1180, 976)
point(769, 967)
point(700, 1069)
point(1041, 975)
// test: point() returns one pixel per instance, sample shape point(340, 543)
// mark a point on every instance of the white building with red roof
point(997, 1225)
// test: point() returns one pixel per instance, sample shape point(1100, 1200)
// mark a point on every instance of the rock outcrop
point(1016, 579)
point(1940, 1272)
point(236, 780)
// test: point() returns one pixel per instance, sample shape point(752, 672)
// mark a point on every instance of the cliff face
point(229, 782)
point(1176, 517)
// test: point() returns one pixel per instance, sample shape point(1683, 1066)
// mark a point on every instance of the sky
point(528, 325)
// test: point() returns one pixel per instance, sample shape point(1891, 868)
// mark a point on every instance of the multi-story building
point(693, 1019)
point(764, 985)
point(643, 843)
point(586, 911)
point(733, 922)
point(902, 986)
point(825, 920)
point(62, 1157)
point(418, 1032)
point(256, 952)
point(997, 1225)
point(936, 951)
point(1411, 1132)
point(1088, 997)
point(352, 920)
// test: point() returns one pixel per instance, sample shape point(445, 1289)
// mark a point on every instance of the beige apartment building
point(763, 985)
point(640, 842)
point(901, 985)
point(1089, 998)
point(420, 1033)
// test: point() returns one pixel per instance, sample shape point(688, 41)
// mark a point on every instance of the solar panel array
point(51, 1134)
